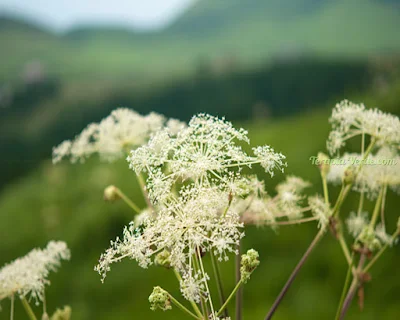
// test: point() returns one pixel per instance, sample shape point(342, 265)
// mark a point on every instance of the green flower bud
point(249, 263)
point(349, 176)
point(163, 259)
point(324, 165)
point(368, 238)
point(111, 193)
point(159, 299)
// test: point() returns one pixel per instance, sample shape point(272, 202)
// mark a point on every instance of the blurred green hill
point(223, 32)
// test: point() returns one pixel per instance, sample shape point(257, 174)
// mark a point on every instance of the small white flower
point(320, 210)
point(356, 223)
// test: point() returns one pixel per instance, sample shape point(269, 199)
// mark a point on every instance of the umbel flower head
point(159, 299)
point(114, 136)
point(191, 223)
point(27, 276)
point(349, 120)
point(207, 150)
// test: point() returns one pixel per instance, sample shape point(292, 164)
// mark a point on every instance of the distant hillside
point(247, 32)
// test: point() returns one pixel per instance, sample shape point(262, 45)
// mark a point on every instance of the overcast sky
point(62, 14)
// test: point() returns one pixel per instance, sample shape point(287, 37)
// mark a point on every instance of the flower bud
point(324, 165)
point(163, 259)
point(349, 176)
point(159, 299)
point(368, 238)
point(111, 193)
point(249, 263)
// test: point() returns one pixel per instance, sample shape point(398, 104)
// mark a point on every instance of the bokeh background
point(275, 67)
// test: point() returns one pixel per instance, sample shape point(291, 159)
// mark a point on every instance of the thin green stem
point(345, 286)
point(344, 247)
point(383, 206)
point(239, 294)
point(360, 204)
point(219, 281)
point(379, 253)
point(325, 186)
point(128, 201)
point(192, 303)
point(12, 308)
point(202, 301)
point(182, 307)
point(230, 297)
point(28, 309)
point(206, 283)
point(375, 214)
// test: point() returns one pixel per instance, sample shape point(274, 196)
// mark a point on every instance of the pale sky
point(62, 14)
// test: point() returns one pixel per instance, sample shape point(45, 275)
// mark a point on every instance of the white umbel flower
point(194, 221)
point(27, 276)
point(205, 151)
point(349, 120)
point(114, 136)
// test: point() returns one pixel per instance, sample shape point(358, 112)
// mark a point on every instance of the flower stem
point(325, 186)
point(28, 309)
point(219, 281)
point(182, 307)
point(12, 308)
point(230, 297)
point(345, 286)
point(128, 201)
point(376, 209)
point(239, 295)
point(344, 247)
point(383, 249)
point(296, 270)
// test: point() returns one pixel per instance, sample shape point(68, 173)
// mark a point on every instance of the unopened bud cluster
point(159, 299)
point(248, 264)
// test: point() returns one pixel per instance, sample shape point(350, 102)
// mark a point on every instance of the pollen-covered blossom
point(27, 276)
point(320, 210)
point(349, 120)
point(114, 136)
point(206, 150)
point(199, 220)
point(356, 223)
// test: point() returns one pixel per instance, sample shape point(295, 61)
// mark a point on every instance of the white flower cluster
point(371, 177)
point(259, 208)
point(193, 180)
point(28, 275)
point(204, 151)
point(191, 223)
point(320, 210)
point(349, 120)
point(114, 136)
